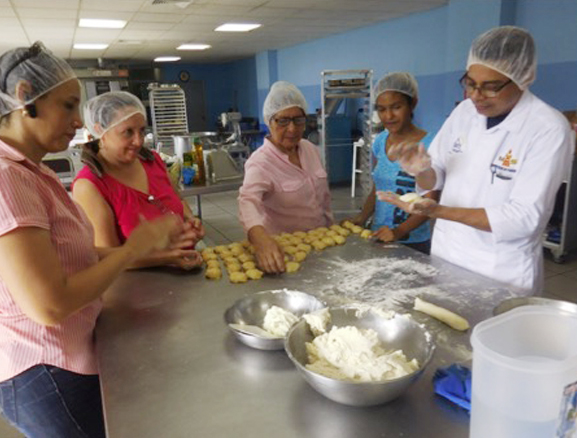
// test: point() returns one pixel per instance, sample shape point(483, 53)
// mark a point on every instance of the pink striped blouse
point(283, 197)
point(32, 196)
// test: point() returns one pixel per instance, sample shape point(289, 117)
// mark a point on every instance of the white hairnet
point(282, 95)
point(38, 67)
point(509, 50)
point(101, 113)
point(401, 82)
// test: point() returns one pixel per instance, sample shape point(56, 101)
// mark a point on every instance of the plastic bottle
point(199, 158)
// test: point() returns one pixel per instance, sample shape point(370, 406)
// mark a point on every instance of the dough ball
point(254, 274)
point(319, 245)
point(233, 267)
point(329, 241)
point(322, 229)
point(339, 240)
point(213, 273)
point(310, 238)
point(212, 264)
point(285, 235)
point(284, 242)
point(411, 197)
point(234, 245)
point(290, 249)
point(348, 225)
point(277, 238)
point(334, 227)
point(245, 243)
point(344, 232)
point(244, 257)
point(208, 249)
point(365, 234)
point(251, 249)
point(331, 233)
point(299, 256)
point(209, 256)
point(248, 266)
point(356, 229)
point(225, 253)
point(300, 234)
point(294, 240)
point(237, 250)
point(292, 267)
point(220, 248)
point(237, 277)
point(230, 259)
point(286, 258)
point(304, 247)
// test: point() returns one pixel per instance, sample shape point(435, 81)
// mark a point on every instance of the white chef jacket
point(513, 171)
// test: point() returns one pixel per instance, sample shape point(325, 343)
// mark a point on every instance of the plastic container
point(525, 375)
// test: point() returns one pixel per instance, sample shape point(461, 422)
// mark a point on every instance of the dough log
point(451, 319)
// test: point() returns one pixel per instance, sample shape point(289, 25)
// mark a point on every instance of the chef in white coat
point(499, 160)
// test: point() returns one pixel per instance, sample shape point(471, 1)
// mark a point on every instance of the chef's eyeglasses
point(486, 89)
point(33, 51)
point(285, 121)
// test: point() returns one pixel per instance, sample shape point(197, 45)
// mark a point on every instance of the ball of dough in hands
point(238, 277)
point(213, 273)
point(254, 274)
point(411, 197)
point(292, 267)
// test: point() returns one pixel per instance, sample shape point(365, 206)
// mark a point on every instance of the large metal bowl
point(400, 332)
point(512, 303)
point(251, 310)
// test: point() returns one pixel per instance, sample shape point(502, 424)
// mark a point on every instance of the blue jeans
point(49, 402)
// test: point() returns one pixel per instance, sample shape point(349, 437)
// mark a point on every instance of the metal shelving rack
point(168, 110)
point(337, 85)
point(567, 228)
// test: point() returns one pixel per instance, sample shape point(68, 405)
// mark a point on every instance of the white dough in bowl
point(278, 321)
point(318, 321)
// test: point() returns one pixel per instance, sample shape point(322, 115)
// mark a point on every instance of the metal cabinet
point(168, 111)
point(561, 235)
point(336, 86)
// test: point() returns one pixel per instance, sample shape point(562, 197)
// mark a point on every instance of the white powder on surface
point(278, 321)
point(349, 353)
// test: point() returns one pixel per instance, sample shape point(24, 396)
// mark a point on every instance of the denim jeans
point(49, 402)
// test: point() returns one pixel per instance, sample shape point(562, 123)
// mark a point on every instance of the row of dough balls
point(238, 260)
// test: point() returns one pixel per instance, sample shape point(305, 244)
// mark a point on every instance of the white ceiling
point(157, 29)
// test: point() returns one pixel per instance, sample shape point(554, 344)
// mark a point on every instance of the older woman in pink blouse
point(285, 185)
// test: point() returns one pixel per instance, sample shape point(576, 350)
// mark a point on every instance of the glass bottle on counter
point(200, 177)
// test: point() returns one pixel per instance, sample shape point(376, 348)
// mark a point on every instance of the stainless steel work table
point(170, 368)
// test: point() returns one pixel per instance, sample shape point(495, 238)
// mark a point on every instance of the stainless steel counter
point(170, 368)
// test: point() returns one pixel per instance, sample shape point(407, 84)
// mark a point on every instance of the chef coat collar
point(10, 153)
point(516, 116)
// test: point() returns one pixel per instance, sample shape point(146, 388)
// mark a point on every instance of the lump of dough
point(343, 232)
point(208, 249)
point(234, 245)
point(365, 234)
point(209, 256)
point(220, 248)
point(348, 224)
point(237, 250)
point(233, 267)
point(278, 321)
point(294, 240)
point(230, 259)
point(212, 264)
point(213, 273)
point(254, 274)
point(356, 229)
point(304, 247)
point(248, 265)
point(299, 256)
point(411, 197)
point(310, 238)
point(318, 321)
point(292, 267)
point(329, 241)
point(238, 277)
point(334, 227)
point(225, 253)
point(339, 240)
point(245, 258)
point(245, 243)
point(451, 319)
point(331, 233)
point(300, 234)
point(290, 249)
point(319, 245)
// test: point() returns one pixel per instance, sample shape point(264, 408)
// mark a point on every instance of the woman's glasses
point(285, 121)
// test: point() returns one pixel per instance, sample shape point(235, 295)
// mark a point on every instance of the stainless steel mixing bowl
point(400, 332)
point(511, 303)
point(251, 310)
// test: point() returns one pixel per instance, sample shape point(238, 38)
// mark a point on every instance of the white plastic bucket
point(525, 375)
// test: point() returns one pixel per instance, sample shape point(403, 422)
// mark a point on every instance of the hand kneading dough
point(213, 273)
point(237, 277)
point(365, 234)
point(411, 197)
point(444, 315)
point(292, 267)
point(254, 274)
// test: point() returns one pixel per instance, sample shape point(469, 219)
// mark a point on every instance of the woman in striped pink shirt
point(51, 275)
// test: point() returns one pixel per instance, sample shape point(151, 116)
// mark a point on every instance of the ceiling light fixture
point(237, 27)
point(167, 59)
point(102, 24)
point(90, 46)
point(193, 47)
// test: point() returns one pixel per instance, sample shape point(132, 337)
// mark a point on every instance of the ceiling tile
point(112, 5)
point(87, 35)
point(106, 15)
point(142, 25)
point(47, 13)
point(47, 4)
point(158, 18)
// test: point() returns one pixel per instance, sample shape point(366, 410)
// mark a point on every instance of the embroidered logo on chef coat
point(458, 146)
point(504, 167)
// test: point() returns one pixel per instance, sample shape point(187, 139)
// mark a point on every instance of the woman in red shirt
point(122, 181)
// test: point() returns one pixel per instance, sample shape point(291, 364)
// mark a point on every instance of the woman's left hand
point(194, 226)
point(425, 207)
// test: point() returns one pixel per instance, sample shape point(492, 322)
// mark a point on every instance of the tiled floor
point(220, 221)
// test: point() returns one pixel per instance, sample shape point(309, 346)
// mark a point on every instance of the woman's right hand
point(269, 255)
point(156, 234)
point(413, 157)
